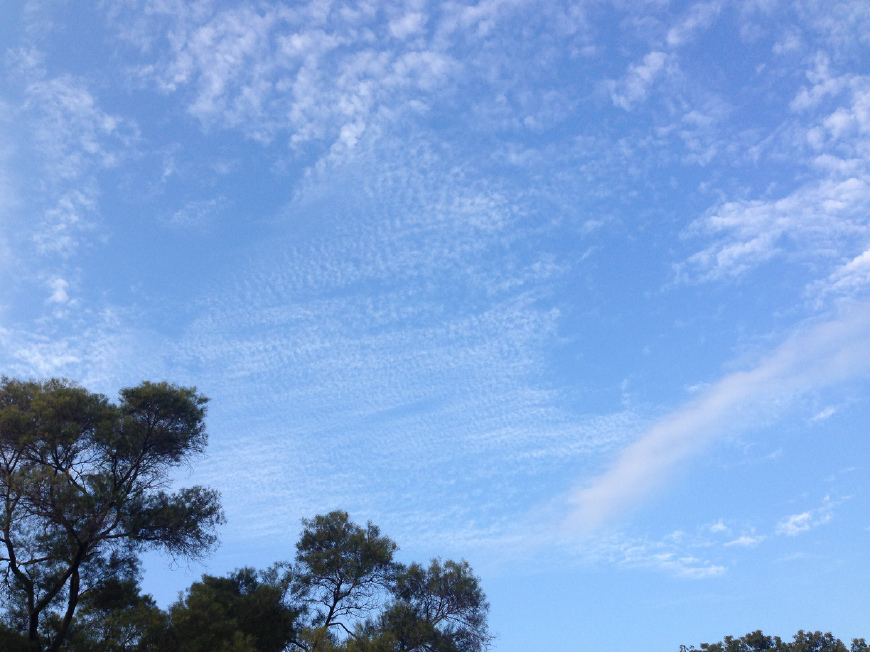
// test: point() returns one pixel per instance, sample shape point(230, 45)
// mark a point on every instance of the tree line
point(802, 642)
point(85, 489)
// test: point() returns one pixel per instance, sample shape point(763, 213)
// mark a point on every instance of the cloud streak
point(633, 89)
point(825, 354)
point(805, 521)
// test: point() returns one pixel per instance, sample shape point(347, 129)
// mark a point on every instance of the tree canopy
point(342, 570)
point(85, 487)
point(355, 596)
point(803, 641)
point(344, 592)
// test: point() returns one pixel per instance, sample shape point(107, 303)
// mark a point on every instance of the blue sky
point(577, 291)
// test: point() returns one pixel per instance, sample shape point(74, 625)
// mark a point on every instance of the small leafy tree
point(356, 598)
point(342, 573)
point(84, 488)
point(441, 608)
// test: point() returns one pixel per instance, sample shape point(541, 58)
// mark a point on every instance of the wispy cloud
point(635, 86)
point(393, 330)
point(849, 280)
point(827, 413)
point(689, 555)
point(73, 132)
point(309, 73)
point(411, 24)
point(63, 140)
point(719, 526)
point(662, 61)
point(841, 24)
point(745, 541)
point(104, 350)
point(59, 291)
point(824, 218)
point(699, 17)
point(65, 225)
point(686, 566)
point(830, 352)
point(198, 214)
point(805, 521)
point(821, 217)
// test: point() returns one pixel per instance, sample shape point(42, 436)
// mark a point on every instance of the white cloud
point(845, 132)
point(103, 350)
point(59, 293)
point(745, 541)
point(198, 214)
point(229, 58)
point(825, 220)
point(827, 413)
point(675, 554)
point(634, 87)
point(10, 200)
point(827, 353)
point(699, 17)
point(73, 134)
point(788, 43)
point(42, 357)
point(687, 566)
point(392, 331)
point(680, 554)
point(843, 25)
point(795, 524)
point(410, 24)
point(61, 230)
point(819, 218)
point(338, 74)
point(62, 141)
point(477, 18)
point(806, 521)
point(701, 130)
point(314, 73)
point(850, 280)
point(823, 82)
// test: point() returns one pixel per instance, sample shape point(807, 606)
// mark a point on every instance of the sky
point(576, 290)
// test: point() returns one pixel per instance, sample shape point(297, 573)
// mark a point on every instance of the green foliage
point(342, 571)
point(14, 641)
point(116, 617)
point(803, 642)
point(344, 593)
point(246, 610)
point(85, 484)
point(438, 608)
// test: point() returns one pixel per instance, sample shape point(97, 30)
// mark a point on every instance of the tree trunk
point(70, 610)
point(33, 630)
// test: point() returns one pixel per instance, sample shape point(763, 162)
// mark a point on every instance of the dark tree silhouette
point(84, 488)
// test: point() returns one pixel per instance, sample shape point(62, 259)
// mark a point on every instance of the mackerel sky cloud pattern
point(577, 290)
